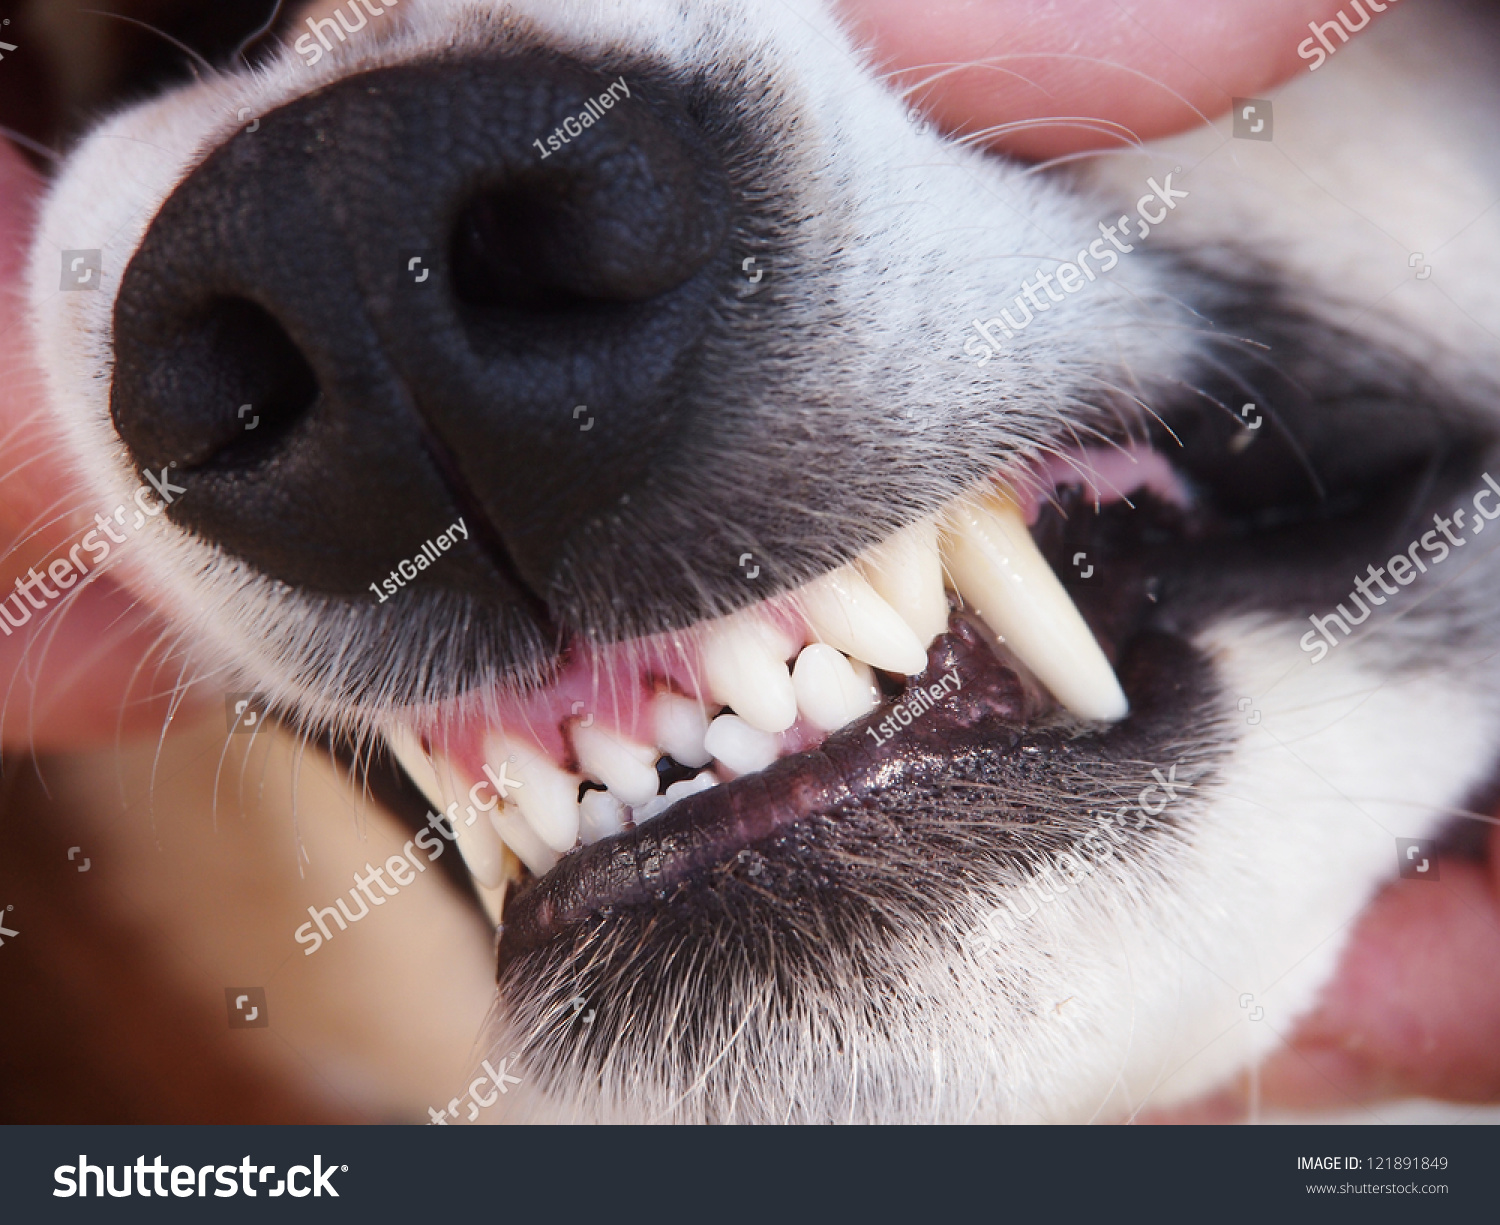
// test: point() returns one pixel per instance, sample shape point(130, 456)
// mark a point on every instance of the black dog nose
point(464, 288)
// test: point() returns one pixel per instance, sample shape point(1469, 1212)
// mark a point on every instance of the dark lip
point(991, 709)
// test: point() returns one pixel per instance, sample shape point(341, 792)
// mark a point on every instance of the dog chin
point(928, 732)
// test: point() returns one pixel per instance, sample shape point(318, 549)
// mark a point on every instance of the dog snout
point(414, 278)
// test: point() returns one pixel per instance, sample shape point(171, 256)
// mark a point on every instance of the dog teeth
point(515, 829)
point(476, 839)
point(740, 747)
point(999, 572)
point(830, 693)
point(681, 723)
point(628, 770)
point(907, 572)
point(744, 663)
point(883, 610)
point(847, 613)
point(683, 787)
point(545, 794)
point(599, 815)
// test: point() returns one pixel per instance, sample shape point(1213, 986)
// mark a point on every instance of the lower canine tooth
point(847, 613)
point(680, 724)
point(999, 572)
point(627, 769)
point(907, 572)
point(744, 662)
point(522, 839)
point(830, 693)
point(742, 748)
point(545, 794)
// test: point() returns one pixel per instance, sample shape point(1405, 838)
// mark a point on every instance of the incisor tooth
point(510, 825)
point(1001, 575)
point(830, 693)
point(599, 816)
point(744, 749)
point(545, 794)
point(907, 572)
point(744, 663)
point(627, 769)
point(848, 614)
point(680, 724)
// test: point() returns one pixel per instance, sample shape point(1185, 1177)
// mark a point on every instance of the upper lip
point(535, 752)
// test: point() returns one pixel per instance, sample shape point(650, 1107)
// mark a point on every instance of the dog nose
point(457, 288)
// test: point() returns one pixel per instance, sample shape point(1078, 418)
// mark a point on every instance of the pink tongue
point(1109, 474)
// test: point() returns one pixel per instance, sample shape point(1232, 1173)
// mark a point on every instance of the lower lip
point(989, 710)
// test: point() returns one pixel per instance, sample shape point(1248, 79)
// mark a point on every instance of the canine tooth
point(478, 843)
point(627, 769)
point(848, 614)
point(907, 572)
point(510, 825)
point(744, 662)
point(830, 693)
point(408, 751)
point(999, 572)
point(599, 815)
point(741, 747)
point(545, 794)
point(681, 724)
point(480, 847)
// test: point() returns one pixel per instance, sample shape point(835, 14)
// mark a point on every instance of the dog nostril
point(565, 240)
point(500, 255)
point(411, 302)
point(235, 385)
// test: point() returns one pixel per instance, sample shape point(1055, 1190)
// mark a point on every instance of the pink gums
point(615, 685)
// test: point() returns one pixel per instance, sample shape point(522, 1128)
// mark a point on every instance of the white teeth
point(522, 839)
point(628, 770)
point(999, 572)
point(907, 572)
point(830, 693)
point(479, 845)
point(744, 663)
point(681, 724)
point(683, 787)
point(546, 794)
point(740, 747)
point(476, 838)
point(691, 786)
point(600, 815)
point(847, 613)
